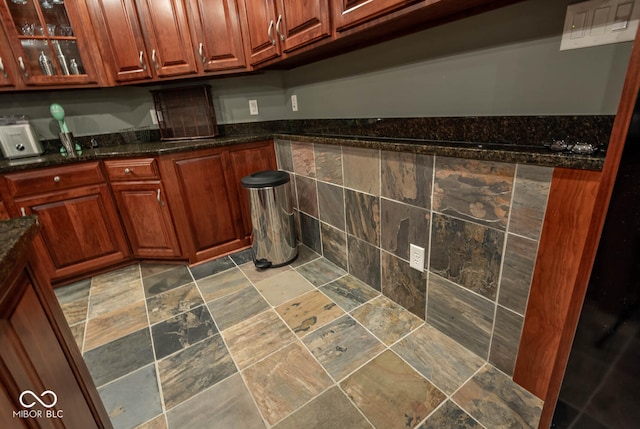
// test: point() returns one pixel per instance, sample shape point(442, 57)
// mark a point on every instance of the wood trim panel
point(570, 206)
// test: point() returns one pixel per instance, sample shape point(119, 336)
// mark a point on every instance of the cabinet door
point(118, 28)
point(261, 22)
point(300, 23)
point(349, 13)
point(49, 42)
point(80, 229)
point(8, 75)
point(206, 207)
point(166, 31)
point(217, 34)
point(147, 219)
point(246, 161)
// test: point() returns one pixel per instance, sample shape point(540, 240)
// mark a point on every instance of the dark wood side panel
point(564, 234)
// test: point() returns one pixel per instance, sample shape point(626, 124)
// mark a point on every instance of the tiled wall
point(479, 222)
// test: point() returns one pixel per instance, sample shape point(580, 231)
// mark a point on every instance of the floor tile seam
point(440, 405)
point(451, 397)
point(330, 281)
point(287, 344)
point(468, 413)
point(173, 407)
point(303, 405)
point(351, 400)
point(151, 419)
point(86, 319)
point(173, 316)
point(371, 332)
point(153, 348)
point(195, 280)
point(114, 310)
point(253, 398)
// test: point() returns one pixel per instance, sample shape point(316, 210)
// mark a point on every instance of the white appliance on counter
point(17, 138)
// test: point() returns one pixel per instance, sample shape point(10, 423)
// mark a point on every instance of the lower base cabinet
point(39, 355)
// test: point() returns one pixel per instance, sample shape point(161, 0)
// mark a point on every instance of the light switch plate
point(600, 22)
point(253, 107)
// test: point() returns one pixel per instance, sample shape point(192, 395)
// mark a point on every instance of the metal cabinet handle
point(23, 211)
point(201, 52)
point(143, 65)
point(271, 39)
point(4, 72)
point(278, 28)
point(127, 171)
point(23, 67)
point(56, 179)
point(160, 199)
point(154, 59)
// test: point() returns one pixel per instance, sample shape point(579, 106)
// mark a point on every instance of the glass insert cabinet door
point(43, 38)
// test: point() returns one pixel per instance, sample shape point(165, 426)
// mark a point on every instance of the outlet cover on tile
point(416, 257)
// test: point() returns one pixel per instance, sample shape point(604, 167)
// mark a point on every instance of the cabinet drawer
point(53, 179)
point(132, 169)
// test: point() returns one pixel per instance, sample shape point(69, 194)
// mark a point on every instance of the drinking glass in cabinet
point(46, 5)
point(51, 29)
point(20, 2)
point(28, 29)
point(66, 31)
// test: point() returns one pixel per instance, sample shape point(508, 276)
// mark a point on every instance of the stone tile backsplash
point(479, 222)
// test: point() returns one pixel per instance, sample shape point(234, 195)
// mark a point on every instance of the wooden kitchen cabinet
point(50, 42)
point(210, 206)
point(39, 353)
point(277, 26)
point(349, 13)
point(81, 230)
point(144, 210)
point(144, 39)
point(8, 74)
point(217, 34)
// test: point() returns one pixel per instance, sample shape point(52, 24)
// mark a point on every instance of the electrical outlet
point(294, 103)
point(253, 107)
point(416, 257)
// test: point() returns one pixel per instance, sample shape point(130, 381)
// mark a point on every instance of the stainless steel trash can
point(274, 236)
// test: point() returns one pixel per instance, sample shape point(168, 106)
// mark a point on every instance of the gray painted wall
point(504, 62)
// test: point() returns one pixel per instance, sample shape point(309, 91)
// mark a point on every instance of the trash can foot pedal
point(262, 264)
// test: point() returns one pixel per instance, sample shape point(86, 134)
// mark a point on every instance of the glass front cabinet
point(48, 41)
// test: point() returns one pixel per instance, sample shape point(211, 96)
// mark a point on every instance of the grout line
point(430, 239)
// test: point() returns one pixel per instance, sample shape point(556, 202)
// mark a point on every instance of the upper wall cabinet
point(217, 35)
point(49, 41)
point(276, 26)
point(349, 13)
point(7, 73)
point(144, 39)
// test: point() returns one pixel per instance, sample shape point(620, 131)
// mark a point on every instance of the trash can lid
point(265, 179)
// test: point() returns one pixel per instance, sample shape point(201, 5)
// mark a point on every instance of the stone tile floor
point(223, 345)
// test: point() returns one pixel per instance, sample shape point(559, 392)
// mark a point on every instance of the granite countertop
point(515, 139)
point(15, 239)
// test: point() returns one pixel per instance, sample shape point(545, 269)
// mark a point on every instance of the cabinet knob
point(56, 179)
point(271, 39)
point(127, 171)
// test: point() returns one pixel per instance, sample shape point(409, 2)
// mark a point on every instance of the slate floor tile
point(305, 255)
point(226, 405)
point(440, 359)
point(116, 324)
point(115, 290)
point(119, 357)
point(166, 280)
point(255, 275)
point(285, 381)
point(221, 284)
point(349, 292)
point(182, 330)
point(158, 422)
point(308, 312)
point(133, 399)
point(243, 256)
point(78, 333)
point(320, 271)
point(74, 299)
point(342, 346)
point(283, 287)
point(175, 301)
point(450, 416)
point(257, 337)
point(386, 319)
point(496, 401)
point(211, 267)
point(150, 268)
point(331, 409)
point(236, 307)
point(391, 393)
point(194, 369)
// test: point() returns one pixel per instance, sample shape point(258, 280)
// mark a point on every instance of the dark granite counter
point(504, 138)
point(15, 238)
